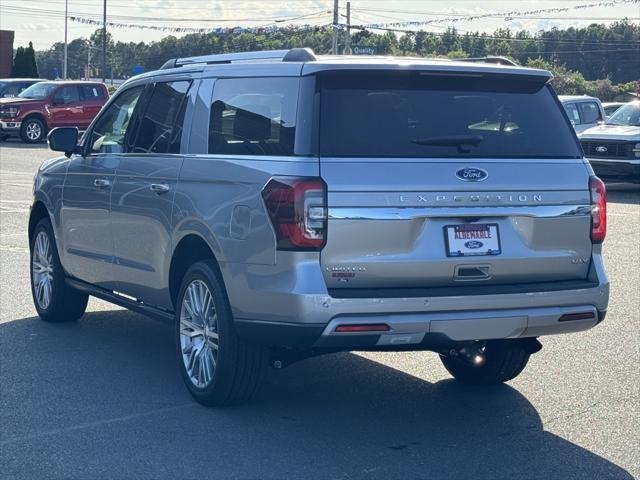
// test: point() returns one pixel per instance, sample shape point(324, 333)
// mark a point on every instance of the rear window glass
point(590, 112)
point(420, 115)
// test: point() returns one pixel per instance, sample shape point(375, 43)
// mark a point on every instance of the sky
point(42, 21)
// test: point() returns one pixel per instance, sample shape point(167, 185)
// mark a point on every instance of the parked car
point(277, 205)
point(583, 111)
point(11, 87)
point(47, 105)
point(611, 107)
point(613, 149)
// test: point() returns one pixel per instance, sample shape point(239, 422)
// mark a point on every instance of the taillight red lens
point(297, 208)
point(598, 210)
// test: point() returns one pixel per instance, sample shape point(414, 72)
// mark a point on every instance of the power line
point(48, 13)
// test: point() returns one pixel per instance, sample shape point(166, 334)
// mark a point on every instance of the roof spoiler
point(494, 60)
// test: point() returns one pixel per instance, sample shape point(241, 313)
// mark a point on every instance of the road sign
point(363, 49)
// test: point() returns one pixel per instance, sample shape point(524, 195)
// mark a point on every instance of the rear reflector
point(378, 327)
point(577, 316)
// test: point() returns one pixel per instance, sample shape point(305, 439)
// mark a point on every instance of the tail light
point(598, 210)
point(297, 208)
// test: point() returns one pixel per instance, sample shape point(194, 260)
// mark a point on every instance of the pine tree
point(30, 61)
point(18, 64)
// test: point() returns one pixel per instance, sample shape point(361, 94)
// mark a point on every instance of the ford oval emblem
point(473, 244)
point(471, 174)
point(601, 149)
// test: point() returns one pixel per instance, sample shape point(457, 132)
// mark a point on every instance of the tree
point(30, 61)
point(24, 63)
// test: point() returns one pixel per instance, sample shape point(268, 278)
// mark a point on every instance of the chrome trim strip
point(614, 160)
point(410, 213)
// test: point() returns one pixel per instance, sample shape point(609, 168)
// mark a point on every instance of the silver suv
point(278, 205)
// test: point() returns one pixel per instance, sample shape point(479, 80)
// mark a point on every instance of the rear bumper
point(300, 317)
point(617, 170)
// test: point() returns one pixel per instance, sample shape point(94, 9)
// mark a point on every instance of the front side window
point(161, 127)
point(39, 90)
point(253, 116)
point(66, 94)
point(590, 112)
point(421, 115)
point(108, 133)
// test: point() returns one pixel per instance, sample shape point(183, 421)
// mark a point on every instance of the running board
point(121, 301)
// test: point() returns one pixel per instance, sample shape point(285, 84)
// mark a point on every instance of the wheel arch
point(38, 212)
point(39, 115)
point(190, 249)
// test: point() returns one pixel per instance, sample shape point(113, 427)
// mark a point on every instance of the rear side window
point(572, 113)
point(423, 115)
point(91, 92)
point(161, 127)
point(253, 116)
point(589, 112)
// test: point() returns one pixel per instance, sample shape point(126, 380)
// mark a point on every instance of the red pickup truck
point(47, 105)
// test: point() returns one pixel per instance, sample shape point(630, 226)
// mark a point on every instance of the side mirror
point(64, 139)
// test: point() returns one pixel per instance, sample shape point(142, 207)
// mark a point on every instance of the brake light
point(598, 210)
point(297, 208)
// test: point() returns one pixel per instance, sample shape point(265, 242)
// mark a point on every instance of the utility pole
point(66, 20)
point(334, 39)
point(347, 42)
point(104, 42)
point(88, 74)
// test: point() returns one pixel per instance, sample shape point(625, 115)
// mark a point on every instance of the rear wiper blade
point(450, 140)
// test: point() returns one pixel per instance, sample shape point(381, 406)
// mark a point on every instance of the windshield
point(39, 90)
point(628, 115)
point(2, 85)
point(425, 116)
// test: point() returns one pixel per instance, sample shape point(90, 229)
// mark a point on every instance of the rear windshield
point(423, 115)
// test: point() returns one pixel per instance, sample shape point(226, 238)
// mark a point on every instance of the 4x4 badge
point(471, 174)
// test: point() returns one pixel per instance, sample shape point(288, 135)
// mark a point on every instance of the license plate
point(472, 239)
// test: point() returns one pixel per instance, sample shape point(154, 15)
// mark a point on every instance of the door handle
point(159, 188)
point(101, 183)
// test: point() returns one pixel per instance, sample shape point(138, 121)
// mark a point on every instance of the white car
point(584, 112)
point(611, 107)
point(613, 149)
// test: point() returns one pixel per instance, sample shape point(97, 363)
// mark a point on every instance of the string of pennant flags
point(217, 30)
point(507, 16)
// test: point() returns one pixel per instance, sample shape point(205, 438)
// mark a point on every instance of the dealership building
point(6, 52)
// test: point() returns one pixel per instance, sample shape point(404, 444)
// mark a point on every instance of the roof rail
point(293, 55)
point(496, 60)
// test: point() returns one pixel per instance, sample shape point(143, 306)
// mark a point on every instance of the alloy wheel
point(42, 266)
point(199, 340)
point(33, 131)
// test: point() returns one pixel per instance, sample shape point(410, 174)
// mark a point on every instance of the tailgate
point(395, 224)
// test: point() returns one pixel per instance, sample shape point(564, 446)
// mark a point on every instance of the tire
point(218, 367)
point(503, 361)
point(55, 301)
point(33, 130)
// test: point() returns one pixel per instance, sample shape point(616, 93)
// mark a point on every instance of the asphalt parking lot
point(102, 398)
